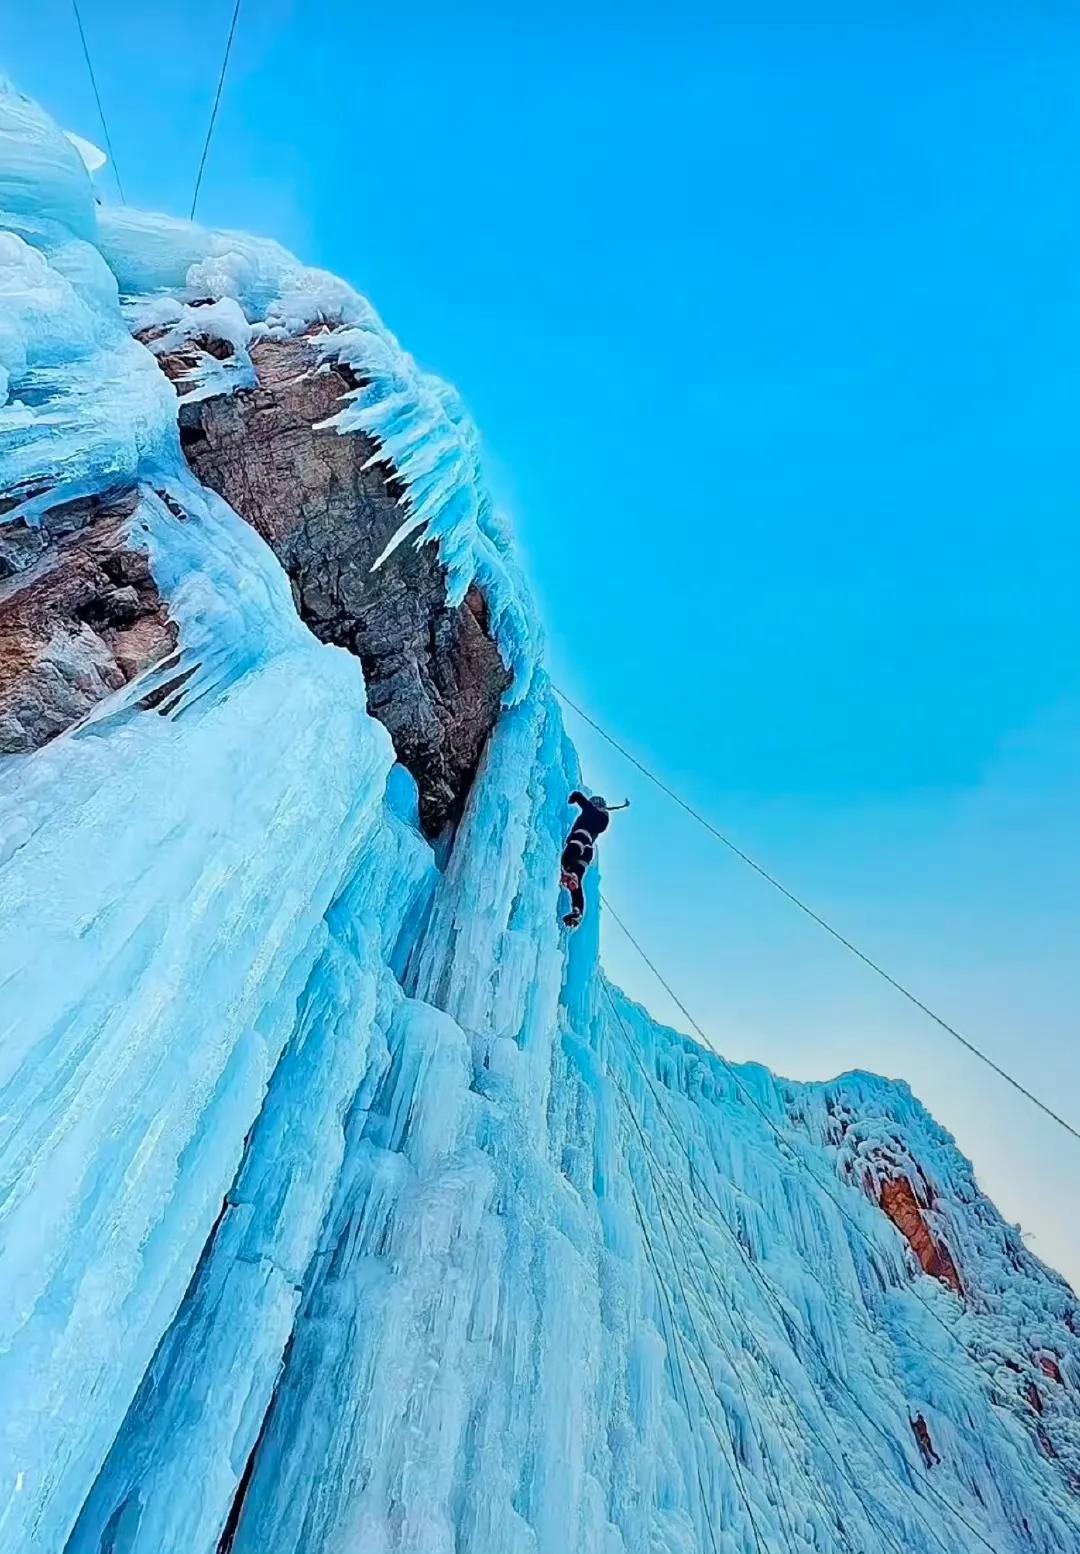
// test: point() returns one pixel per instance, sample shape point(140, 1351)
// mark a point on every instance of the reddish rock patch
point(80, 616)
point(1046, 1445)
point(897, 1199)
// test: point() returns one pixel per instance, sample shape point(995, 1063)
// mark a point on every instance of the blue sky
point(778, 319)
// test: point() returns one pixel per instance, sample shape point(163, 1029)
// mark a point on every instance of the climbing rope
point(666, 1205)
point(97, 98)
point(679, 1350)
point(214, 109)
point(676, 1354)
point(768, 1289)
point(800, 1160)
point(751, 1099)
point(816, 917)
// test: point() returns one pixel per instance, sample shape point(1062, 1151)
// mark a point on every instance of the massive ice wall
point(344, 1205)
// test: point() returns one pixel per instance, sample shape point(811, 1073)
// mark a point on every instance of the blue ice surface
point(344, 1204)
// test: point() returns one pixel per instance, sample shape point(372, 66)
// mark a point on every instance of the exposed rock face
point(80, 616)
point(879, 1161)
point(898, 1200)
point(80, 613)
point(1050, 1367)
point(876, 1155)
point(434, 676)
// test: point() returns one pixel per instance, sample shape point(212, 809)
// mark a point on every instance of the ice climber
point(581, 847)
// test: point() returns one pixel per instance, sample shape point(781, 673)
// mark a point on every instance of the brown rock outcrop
point(434, 675)
point(185, 358)
point(80, 616)
point(1049, 1367)
point(897, 1199)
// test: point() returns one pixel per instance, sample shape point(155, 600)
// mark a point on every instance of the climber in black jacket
point(581, 848)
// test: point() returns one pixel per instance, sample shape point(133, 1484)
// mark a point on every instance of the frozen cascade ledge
point(344, 1208)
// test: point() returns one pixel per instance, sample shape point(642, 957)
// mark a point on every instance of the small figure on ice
point(580, 849)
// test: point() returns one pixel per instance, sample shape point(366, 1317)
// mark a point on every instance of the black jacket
point(593, 821)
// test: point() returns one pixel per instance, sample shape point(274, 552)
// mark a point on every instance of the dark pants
point(577, 855)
